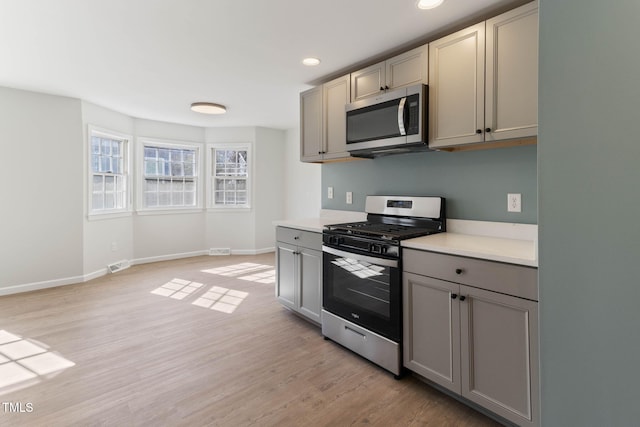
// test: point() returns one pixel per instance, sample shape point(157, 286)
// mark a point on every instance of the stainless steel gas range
point(362, 275)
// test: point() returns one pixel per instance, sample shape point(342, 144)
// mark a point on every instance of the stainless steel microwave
point(390, 123)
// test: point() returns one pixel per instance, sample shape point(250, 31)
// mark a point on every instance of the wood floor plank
point(143, 359)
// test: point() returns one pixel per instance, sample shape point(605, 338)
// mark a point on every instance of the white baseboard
point(27, 287)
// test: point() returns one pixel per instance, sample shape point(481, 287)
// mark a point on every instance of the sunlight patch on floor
point(221, 299)
point(25, 362)
point(177, 289)
point(248, 271)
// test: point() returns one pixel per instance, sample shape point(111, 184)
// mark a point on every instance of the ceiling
point(152, 58)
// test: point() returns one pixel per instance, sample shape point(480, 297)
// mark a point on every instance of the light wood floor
point(152, 360)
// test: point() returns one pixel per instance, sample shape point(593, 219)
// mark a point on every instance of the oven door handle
point(373, 260)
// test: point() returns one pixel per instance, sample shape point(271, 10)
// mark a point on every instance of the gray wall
point(589, 198)
point(475, 183)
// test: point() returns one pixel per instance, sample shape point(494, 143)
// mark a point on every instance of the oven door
point(363, 289)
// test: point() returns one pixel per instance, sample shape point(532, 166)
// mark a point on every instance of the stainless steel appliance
point(390, 123)
point(362, 275)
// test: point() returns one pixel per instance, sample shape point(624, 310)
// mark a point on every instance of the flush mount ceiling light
point(311, 62)
point(208, 108)
point(429, 4)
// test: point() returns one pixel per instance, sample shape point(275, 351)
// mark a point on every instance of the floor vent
point(220, 251)
point(117, 266)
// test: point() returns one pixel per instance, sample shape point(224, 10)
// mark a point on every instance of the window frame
point(236, 146)
point(127, 209)
point(141, 143)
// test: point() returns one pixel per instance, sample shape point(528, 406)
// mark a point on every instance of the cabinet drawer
point(305, 239)
point(508, 279)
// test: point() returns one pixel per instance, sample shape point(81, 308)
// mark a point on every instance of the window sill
point(229, 209)
point(108, 215)
point(169, 211)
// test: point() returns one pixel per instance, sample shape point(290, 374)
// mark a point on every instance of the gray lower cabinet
point(476, 341)
point(299, 271)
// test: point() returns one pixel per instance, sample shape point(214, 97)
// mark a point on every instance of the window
point(108, 172)
point(230, 176)
point(169, 176)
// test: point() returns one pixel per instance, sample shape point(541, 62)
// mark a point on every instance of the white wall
point(41, 178)
point(302, 181)
point(268, 184)
point(163, 236)
point(45, 216)
point(106, 240)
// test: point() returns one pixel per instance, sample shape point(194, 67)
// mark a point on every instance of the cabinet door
point(286, 278)
point(368, 81)
point(432, 329)
point(456, 88)
point(409, 68)
point(499, 347)
point(336, 95)
point(511, 98)
point(310, 299)
point(311, 125)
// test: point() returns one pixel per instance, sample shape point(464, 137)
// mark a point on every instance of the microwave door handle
point(403, 100)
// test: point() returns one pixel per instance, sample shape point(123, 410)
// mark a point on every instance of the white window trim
point(157, 142)
point(211, 207)
point(109, 213)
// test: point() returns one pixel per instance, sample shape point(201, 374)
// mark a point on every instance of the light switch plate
point(329, 192)
point(349, 197)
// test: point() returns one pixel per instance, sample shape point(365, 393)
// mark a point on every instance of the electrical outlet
point(329, 192)
point(514, 202)
point(349, 197)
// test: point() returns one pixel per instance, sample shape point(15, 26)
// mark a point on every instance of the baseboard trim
point(35, 286)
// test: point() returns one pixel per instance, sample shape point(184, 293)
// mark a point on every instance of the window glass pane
point(190, 186)
point(177, 185)
point(164, 185)
point(189, 169)
point(176, 169)
point(109, 183)
point(177, 199)
point(120, 200)
point(241, 184)
point(109, 201)
point(190, 156)
point(151, 199)
point(164, 154)
point(115, 148)
point(219, 197)
point(241, 197)
point(190, 199)
point(151, 185)
point(105, 148)
point(97, 201)
point(95, 145)
point(97, 183)
point(229, 197)
point(220, 184)
point(164, 199)
point(150, 153)
point(105, 164)
point(176, 155)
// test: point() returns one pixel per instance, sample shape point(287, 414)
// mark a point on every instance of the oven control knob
point(376, 249)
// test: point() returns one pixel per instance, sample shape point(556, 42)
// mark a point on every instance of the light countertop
point(513, 251)
point(493, 241)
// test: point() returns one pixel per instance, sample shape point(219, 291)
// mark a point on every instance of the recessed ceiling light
point(429, 4)
point(208, 108)
point(310, 62)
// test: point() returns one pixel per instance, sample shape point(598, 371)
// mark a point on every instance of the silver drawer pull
point(364, 337)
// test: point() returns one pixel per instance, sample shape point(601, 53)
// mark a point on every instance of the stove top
point(383, 230)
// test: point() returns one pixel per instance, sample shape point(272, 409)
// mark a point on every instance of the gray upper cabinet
point(323, 132)
point(471, 326)
point(311, 144)
point(406, 69)
point(471, 106)
point(511, 100)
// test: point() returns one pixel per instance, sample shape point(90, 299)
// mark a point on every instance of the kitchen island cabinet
point(299, 271)
point(471, 327)
point(484, 81)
